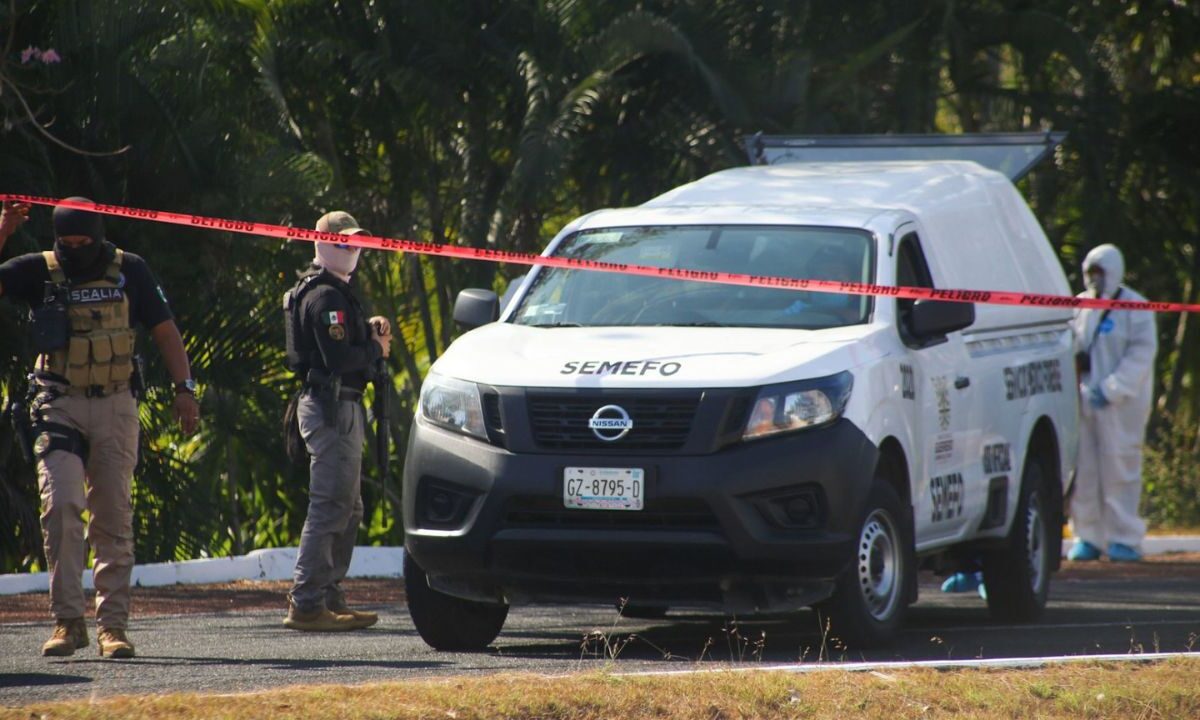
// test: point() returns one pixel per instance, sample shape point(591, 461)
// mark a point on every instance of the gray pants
point(335, 506)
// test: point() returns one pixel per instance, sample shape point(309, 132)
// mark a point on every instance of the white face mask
point(338, 259)
point(1095, 283)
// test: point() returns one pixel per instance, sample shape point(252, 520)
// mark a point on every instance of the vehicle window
point(582, 298)
point(911, 271)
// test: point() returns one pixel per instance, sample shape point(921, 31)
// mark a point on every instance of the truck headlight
point(453, 404)
point(798, 405)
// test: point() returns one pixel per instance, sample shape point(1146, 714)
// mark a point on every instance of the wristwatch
point(187, 386)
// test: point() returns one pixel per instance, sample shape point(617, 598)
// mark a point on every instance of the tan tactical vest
point(98, 358)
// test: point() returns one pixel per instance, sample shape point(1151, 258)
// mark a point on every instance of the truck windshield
point(580, 298)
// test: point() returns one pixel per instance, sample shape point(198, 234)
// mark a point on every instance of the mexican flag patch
point(335, 317)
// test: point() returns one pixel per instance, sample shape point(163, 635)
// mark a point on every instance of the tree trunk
point(235, 515)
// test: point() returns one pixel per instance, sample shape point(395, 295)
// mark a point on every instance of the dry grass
point(1163, 690)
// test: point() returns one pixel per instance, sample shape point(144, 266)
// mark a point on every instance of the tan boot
point(362, 618)
point(113, 643)
point(69, 636)
point(318, 621)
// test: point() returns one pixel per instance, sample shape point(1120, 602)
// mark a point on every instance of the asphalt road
point(240, 651)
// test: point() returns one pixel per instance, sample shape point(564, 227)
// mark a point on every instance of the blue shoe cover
point(1119, 552)
point(962, 582)
point(1083, 551)
point(983, 591)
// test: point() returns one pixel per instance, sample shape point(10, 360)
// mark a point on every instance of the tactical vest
point(302, 353)
point(297, 349)
point(98, 356)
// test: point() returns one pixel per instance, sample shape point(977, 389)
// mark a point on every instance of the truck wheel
point(446, 622)
point(1018, 577)
point(871, 597)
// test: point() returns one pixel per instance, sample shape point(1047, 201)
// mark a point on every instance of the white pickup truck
point(662, 443)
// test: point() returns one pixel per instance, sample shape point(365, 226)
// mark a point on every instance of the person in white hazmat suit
point(1116, 386)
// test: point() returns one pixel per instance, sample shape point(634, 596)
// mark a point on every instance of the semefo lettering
point(620, 367)
point(1035, 378)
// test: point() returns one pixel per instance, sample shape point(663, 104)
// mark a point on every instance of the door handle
point(961, 383)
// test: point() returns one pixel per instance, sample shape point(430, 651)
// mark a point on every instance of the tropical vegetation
point(489, 123)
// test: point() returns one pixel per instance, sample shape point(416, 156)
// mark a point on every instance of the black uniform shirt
point(334, 320)
point(24, 278)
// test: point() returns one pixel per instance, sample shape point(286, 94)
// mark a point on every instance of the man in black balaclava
point(87, 297)
point(80, 259)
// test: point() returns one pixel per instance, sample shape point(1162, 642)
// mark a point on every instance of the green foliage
point(1171, 486)
point(491, 125)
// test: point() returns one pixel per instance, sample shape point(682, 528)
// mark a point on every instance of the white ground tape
point(1013, 663)
point(273, 564)
point(276, 564)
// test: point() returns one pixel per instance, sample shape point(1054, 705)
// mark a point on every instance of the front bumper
point(713, 532)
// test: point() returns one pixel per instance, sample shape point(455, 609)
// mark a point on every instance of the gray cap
point(339, 222)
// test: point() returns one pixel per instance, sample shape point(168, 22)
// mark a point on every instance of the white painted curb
point(272, 564)
point(878, 667)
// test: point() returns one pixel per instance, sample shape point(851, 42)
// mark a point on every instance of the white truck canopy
point(1013, 154)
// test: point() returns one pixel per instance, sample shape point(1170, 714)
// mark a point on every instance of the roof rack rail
point(1013, 154)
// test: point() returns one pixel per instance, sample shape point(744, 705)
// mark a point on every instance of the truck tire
point(446, 622)
point(1017, 577)
point(871, 597)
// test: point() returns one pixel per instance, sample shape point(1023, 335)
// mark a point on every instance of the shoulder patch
point(337, 332)
point(334, 317)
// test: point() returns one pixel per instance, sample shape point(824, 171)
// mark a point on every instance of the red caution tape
point(374, 242)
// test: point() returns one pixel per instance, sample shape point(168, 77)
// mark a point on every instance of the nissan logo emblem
point(610, 423)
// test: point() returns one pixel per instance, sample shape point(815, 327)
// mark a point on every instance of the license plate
point(589, 488)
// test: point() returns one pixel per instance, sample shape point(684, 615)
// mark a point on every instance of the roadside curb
point(976, 664)
point(269, 564)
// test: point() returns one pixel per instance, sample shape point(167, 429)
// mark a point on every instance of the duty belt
point(343, 394)
point(96, 391)
point(91, 391)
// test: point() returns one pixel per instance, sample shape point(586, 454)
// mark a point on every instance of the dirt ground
point(246, 595)
point(226, 597)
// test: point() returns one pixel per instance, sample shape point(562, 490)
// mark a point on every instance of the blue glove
point(1096, 397)
point(796, 308)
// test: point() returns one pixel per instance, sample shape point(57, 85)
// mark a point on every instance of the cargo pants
point(102, 487)
point(335, 506)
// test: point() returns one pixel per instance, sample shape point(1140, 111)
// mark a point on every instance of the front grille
point(659, 423)
point(659, 514)
point(493, 420)
point(491, 412)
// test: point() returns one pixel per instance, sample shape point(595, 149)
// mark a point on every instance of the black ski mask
point(87, 260)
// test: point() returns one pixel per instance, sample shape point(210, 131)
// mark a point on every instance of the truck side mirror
point(474, 307)
point(934, 318)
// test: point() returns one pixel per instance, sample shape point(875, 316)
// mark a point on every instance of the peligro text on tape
point(375, 242)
